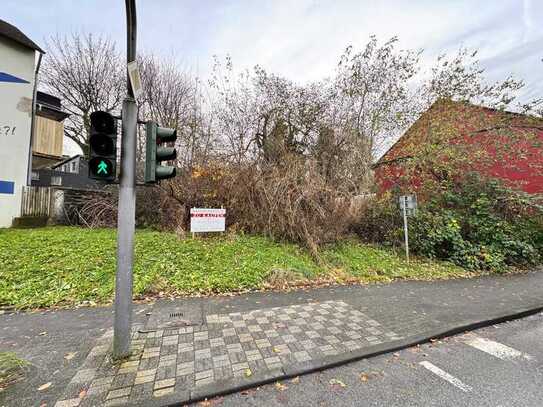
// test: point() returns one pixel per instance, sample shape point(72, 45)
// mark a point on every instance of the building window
point(35, 176)
point(56, 180)
point(74, 167)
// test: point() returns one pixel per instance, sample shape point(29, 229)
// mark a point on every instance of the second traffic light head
point(155, 153)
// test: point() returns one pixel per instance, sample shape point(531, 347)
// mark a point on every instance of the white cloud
point(302, 39)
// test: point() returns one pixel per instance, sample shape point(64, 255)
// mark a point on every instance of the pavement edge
point(300, 369)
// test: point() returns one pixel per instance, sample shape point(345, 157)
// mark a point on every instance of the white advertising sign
point(207, 220)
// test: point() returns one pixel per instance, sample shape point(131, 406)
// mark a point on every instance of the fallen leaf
point(82, 394)
point(44, 386)
point(42, 333)
point(248, 372)
point(363, 377)
point(296, 380)
point(280, 386)
point(338, 382)
point(70, 355)
point(216, 401)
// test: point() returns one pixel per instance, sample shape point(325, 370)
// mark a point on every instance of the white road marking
point(445, 376)
point(495, 348)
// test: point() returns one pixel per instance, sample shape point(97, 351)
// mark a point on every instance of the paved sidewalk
point(190, 349)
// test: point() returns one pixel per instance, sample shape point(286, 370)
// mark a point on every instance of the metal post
point(127, 207)
point(405, 230)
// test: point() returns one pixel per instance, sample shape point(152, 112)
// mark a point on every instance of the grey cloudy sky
point(302, 39)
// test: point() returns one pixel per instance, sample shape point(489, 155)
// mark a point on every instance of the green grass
point(11, 368)
point(374, 264)
point(68, 265)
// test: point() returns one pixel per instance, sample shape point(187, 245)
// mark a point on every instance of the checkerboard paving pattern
point(226, 346)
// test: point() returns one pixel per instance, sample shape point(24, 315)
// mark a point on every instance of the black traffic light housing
point(103, 147)
point(156, 153)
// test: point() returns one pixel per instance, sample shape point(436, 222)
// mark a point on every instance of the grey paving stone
point(166, 372)
point(125, 391)
point(203, 374)
point(223, 373)
point(201, 344)
point(185, 356)
point(237, 357)
point(161, 384)
point(184, 369)
point(123, 380)
point(184, 382)
point(141, 391)
point(228, 346)
point(203, 364)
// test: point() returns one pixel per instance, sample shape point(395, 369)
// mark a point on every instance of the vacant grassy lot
point(68, 265)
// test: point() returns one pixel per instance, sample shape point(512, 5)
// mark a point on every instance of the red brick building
point(460, 137)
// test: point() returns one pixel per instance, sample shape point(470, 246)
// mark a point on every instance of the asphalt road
point(55, 343)
point(500, 365)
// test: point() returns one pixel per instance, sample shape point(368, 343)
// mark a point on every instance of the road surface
point(500, 365)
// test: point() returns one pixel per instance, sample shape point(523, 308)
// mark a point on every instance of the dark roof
point(49, 106)
point(13, 33)
point(67, 160)
point(48, 99)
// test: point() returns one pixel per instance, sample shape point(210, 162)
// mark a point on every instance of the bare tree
point(174, 98)
point(86, 72)
point(372, 89)
point(234, 109)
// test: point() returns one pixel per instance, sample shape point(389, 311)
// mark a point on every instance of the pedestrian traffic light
point(155, 153)
point(103, 146)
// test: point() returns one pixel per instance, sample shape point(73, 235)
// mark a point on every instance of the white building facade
point(17, 75)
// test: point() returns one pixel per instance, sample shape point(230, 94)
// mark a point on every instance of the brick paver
point(227, 346)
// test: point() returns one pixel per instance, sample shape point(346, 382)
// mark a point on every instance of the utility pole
point(127, 204)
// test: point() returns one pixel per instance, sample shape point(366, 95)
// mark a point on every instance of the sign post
point(408, 206)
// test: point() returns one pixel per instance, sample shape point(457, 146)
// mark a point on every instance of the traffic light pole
point(127, 206)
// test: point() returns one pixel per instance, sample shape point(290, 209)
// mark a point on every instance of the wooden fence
point(36, 201)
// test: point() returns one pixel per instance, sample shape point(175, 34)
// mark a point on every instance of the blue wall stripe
point(6, 77)
point(7, 187)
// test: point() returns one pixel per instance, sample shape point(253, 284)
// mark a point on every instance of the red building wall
point(520, 164)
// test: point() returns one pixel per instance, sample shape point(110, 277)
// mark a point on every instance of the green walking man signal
point(102, 167)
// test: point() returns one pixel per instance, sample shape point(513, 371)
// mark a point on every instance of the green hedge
point(478, 224)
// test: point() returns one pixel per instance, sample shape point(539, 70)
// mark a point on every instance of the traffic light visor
point(103, 122)
point(102, 144)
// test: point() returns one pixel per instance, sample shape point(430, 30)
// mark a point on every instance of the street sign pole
point(405, 232)
point(127, 205)
point(408, 206)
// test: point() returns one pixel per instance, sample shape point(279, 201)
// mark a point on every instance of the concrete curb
point(239, 384)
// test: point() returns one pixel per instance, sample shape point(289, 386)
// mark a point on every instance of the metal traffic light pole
point(127, 205)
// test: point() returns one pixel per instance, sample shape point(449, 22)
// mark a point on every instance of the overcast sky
point(302, 39)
